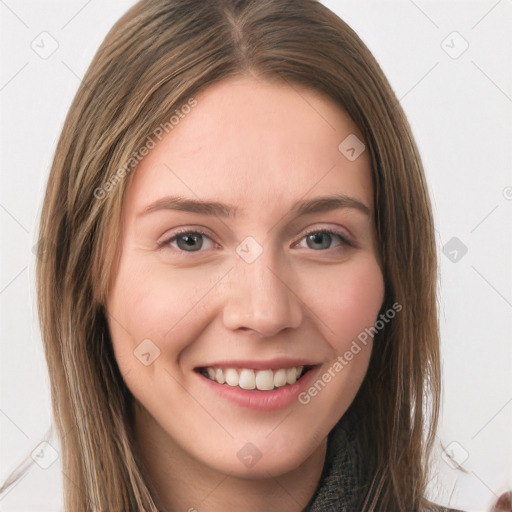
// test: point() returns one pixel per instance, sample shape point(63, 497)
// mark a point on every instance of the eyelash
point(344, 240)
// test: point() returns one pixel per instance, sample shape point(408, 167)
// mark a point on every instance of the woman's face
point(261, 293)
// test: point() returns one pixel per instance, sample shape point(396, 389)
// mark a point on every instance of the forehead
point(257, 145)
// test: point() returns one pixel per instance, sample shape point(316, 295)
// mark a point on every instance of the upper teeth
point(263, 380)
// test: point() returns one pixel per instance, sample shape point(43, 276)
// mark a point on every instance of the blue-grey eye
point(190, 241)
point(322, 239)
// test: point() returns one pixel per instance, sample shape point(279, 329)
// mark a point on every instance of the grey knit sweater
point(345, 478)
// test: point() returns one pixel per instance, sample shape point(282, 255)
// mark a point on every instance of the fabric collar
point(345, 479)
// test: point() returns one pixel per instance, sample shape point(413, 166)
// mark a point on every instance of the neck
point(185, 484)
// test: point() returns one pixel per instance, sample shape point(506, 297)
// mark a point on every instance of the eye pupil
point(190, 240)
point(317, 238)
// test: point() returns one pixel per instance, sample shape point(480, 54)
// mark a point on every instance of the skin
point(261, 147)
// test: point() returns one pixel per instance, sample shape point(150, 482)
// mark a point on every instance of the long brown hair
point(157, 56)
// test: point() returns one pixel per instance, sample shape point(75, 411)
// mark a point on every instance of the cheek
point(347, 300)
point(347, 303)
point(156, 305)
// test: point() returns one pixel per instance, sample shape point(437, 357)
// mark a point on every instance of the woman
point(194, 364)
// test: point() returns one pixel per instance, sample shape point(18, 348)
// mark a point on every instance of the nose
point(262, 296)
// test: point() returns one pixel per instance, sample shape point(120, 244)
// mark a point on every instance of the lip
point(263, 401)
point(272, 364)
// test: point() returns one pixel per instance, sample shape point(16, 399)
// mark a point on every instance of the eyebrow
point(215, 208)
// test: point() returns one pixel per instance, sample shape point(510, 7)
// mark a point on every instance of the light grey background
point(459, 104)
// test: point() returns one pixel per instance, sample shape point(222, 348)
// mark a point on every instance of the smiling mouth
point(249, 379)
